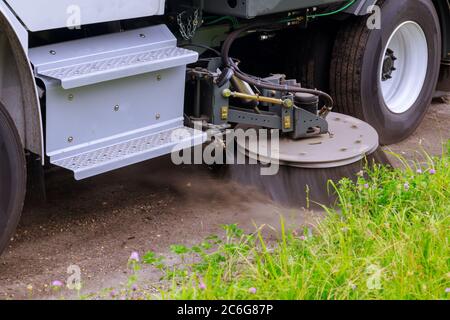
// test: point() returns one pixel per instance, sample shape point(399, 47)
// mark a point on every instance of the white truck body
point(111, 100)
point(38, 15)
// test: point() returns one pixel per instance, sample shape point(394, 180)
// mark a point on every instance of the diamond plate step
point(120, 67)
point(119, 155)
point(109, 57)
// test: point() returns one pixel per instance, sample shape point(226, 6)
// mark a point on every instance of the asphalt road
point(95, 224)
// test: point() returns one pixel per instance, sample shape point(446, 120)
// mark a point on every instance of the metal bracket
point(308, 124)
point(263, 119)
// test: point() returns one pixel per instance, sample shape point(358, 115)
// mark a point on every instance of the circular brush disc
point(349, 141)
point(308, 165)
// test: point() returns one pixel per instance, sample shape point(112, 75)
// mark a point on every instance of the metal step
point(91, 163)
point(109, 57)
point(96, 71)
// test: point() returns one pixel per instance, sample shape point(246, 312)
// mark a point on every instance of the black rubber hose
point(261, 83)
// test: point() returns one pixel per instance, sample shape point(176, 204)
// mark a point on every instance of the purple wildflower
point(303, 238)
point(202, 285)
point(366, 186)
point(419, 171)
point(432, 172)
point(447, 290)
point(57, 284)
point(134, 287)
point(134, 256)
point(252, 290)
point(406, 186)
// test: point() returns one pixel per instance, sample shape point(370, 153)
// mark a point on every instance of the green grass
point(387, 239)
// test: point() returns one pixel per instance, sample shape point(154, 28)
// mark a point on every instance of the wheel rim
point(403, 67)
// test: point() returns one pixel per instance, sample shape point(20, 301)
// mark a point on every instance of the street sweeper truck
point(91, 86)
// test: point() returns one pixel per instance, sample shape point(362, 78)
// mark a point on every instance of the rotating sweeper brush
point(306, 166)
point(290, 141)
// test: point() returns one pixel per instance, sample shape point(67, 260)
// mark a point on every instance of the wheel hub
point(388, 65)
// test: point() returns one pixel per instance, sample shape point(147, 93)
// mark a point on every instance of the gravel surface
point(96, 224)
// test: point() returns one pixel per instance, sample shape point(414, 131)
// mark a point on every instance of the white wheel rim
point(409, 48)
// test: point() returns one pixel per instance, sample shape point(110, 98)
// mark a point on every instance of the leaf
point(151, 258)
point(179, 249)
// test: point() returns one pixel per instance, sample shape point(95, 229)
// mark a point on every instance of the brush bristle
point(299, 187)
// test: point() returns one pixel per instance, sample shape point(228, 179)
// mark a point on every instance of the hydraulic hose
point(261, 83)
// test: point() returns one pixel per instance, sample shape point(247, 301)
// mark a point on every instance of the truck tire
point(308, 60)
point(12, 178)
point(387, 76)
